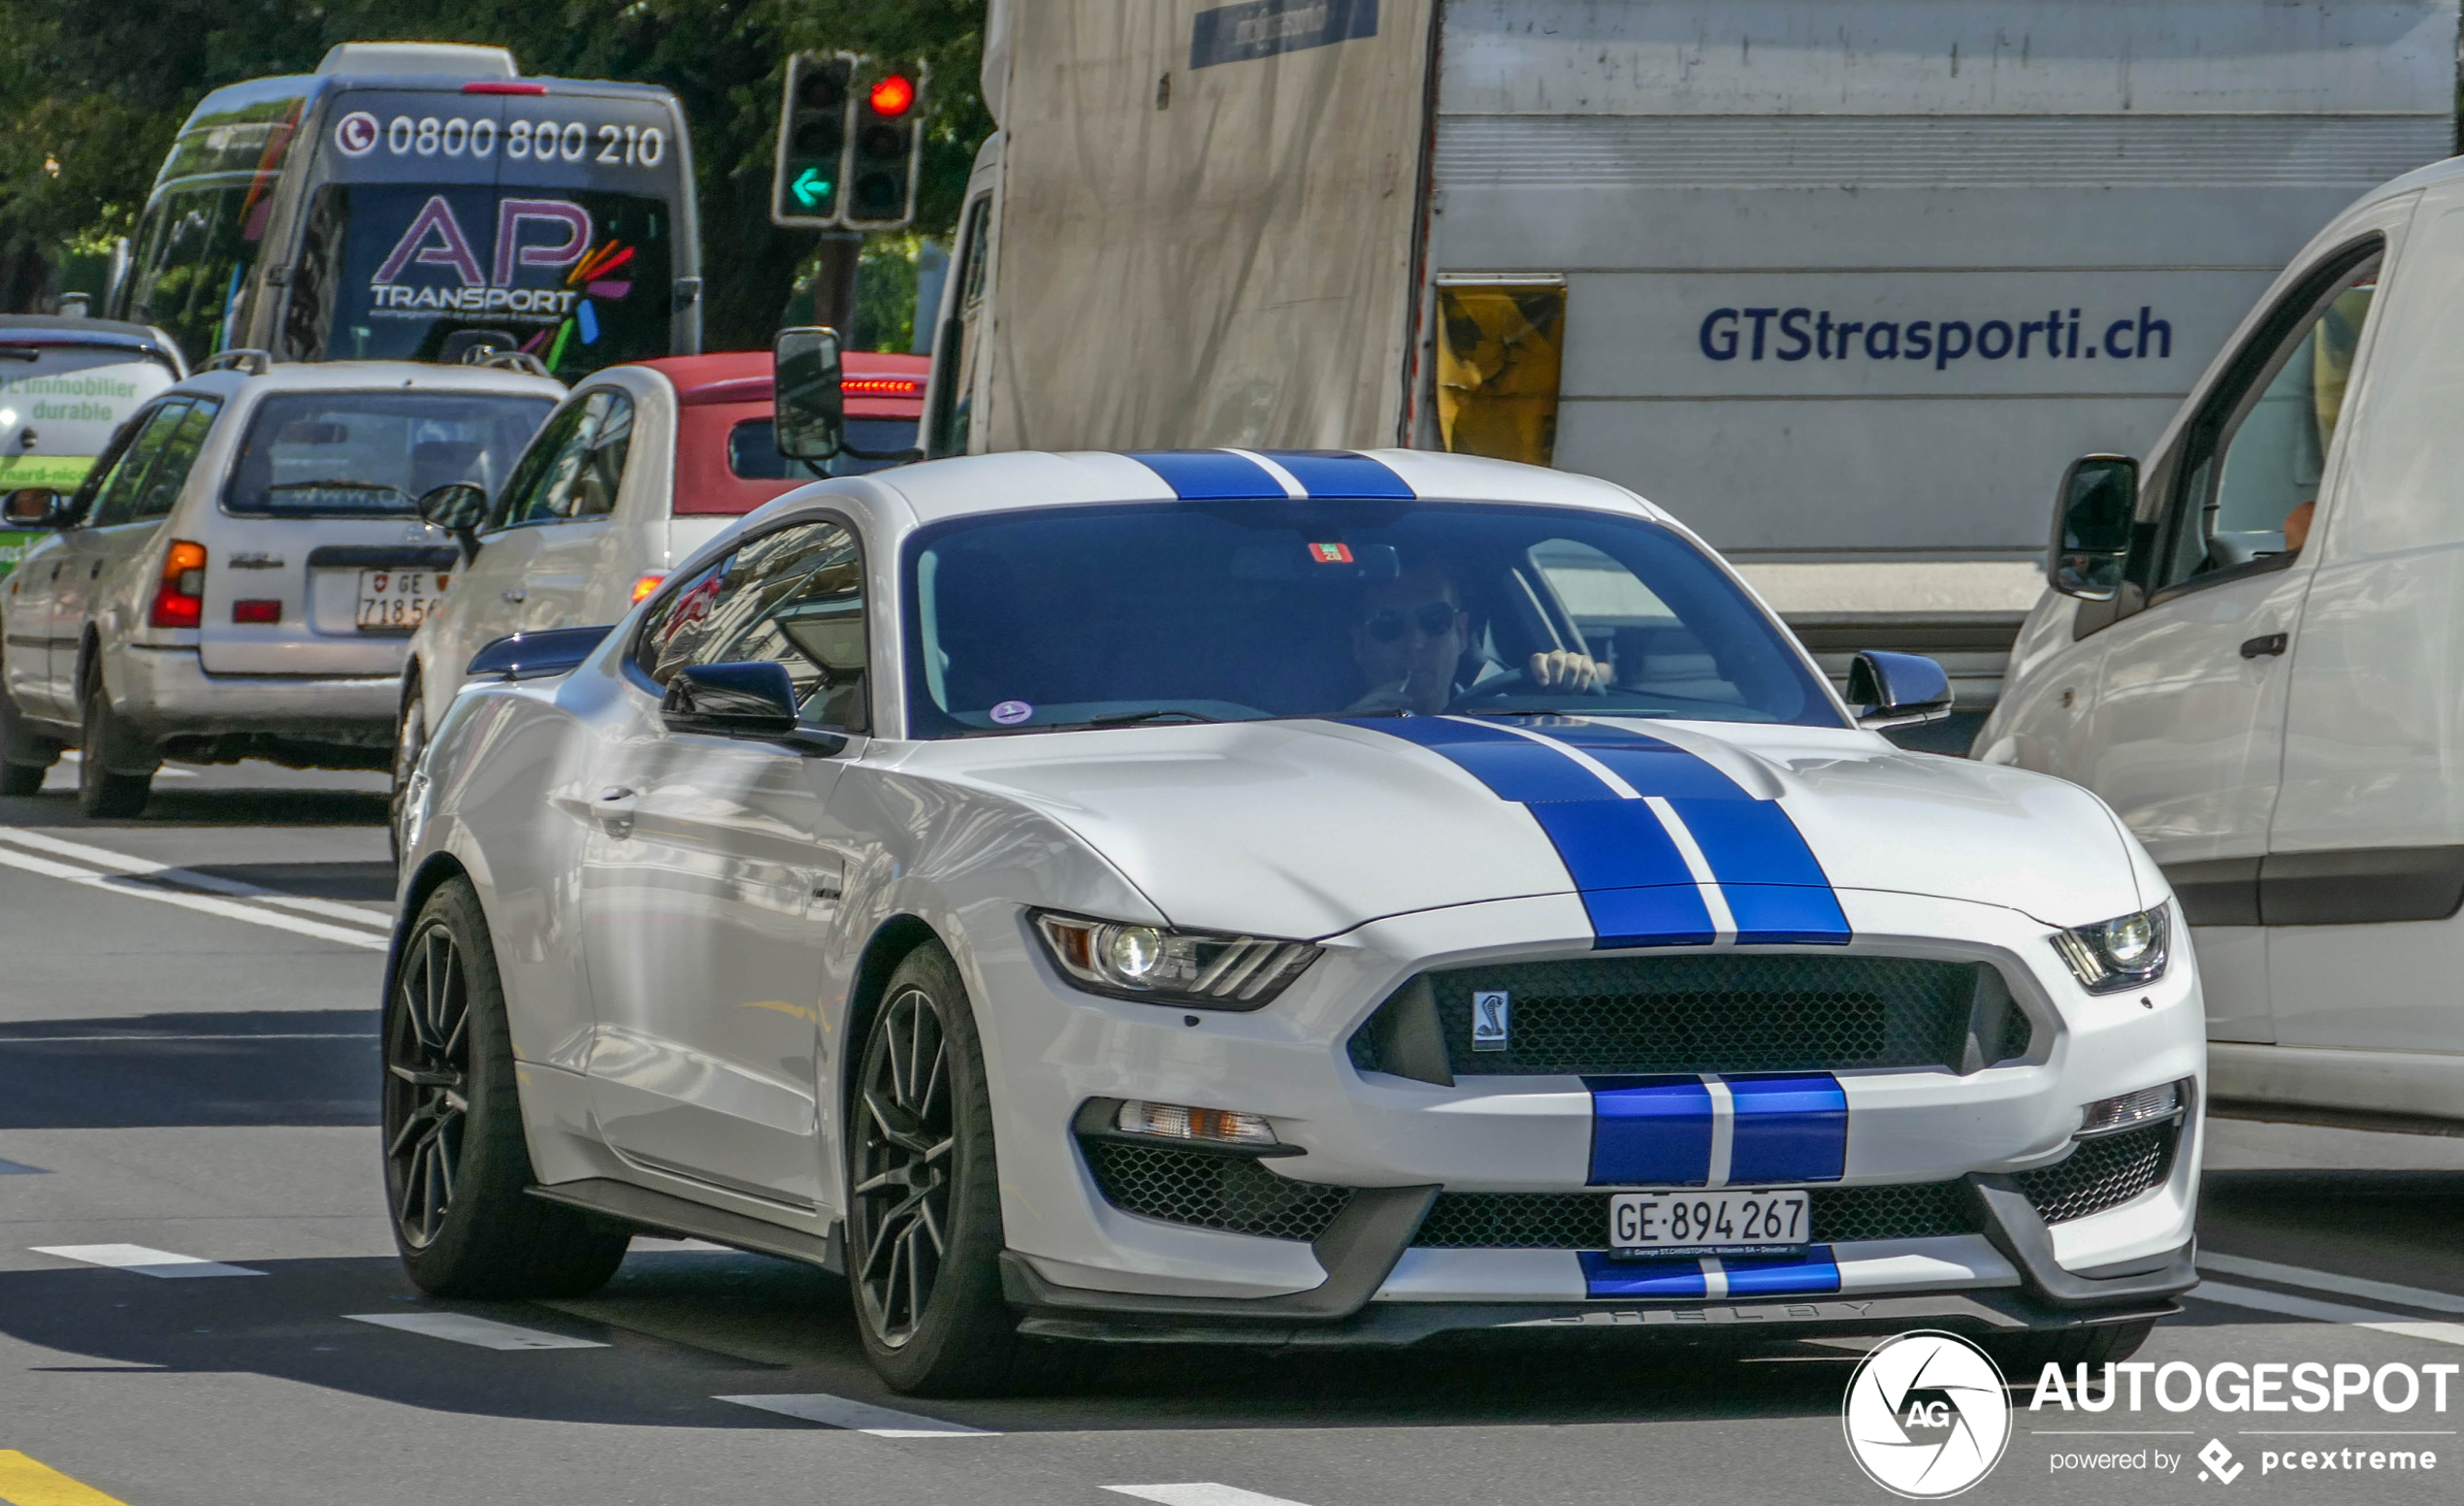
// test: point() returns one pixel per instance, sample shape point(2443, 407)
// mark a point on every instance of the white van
point(2253, 649)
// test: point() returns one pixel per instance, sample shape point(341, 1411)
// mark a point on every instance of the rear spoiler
point(530, 656)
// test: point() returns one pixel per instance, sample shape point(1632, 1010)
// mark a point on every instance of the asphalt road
point(188, 1073)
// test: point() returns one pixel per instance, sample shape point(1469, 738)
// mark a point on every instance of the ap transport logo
point(1927, 1415)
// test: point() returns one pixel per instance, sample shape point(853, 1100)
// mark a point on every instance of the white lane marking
point(1203, 1492)
point(1284, 478)
point(482, 1332)
point(1705, 882)
point(1723, 1129)
point(859, 1417)
point(140, 1260)
point(70, 755)
point(129, 866)
point(226, 908)
point(2328, 1312)
point(45, 1040)
point(1598, 771)
point(2330, 1281)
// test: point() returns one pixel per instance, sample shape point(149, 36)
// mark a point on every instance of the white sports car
point(1281, 899)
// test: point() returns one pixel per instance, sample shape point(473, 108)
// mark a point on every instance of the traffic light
point(808, 187)
point(886, 124)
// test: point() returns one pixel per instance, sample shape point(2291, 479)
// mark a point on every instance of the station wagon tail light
point(180, 597)
point(256, 610)
point(1175, 1121)
point(648, 584)
point(2124, 952)
point(1198, 970)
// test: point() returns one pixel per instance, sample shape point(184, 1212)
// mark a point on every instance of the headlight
point(2121, 953)
point(1200, 969)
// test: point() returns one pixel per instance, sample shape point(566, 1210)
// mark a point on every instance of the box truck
point(1841, 284)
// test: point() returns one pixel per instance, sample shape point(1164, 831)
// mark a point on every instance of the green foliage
point(98, 90)
point(886, 294)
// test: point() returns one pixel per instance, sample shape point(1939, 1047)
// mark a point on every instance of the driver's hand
point(1563, 669)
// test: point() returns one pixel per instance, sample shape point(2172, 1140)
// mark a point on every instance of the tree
point(98, 91)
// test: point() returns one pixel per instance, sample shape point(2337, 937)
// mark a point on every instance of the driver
point(1411, 634)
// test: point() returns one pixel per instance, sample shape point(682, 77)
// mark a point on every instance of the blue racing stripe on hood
point(1514, 768)
point(1209, 474)
point(1336, 474)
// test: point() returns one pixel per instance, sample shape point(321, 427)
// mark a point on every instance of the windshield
point(581, 278)
point(361, 454)
point(1113, 615)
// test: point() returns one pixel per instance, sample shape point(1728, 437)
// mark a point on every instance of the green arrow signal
point(810, 187)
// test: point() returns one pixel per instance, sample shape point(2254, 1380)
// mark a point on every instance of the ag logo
point(356, 134)
point(1925, 1415)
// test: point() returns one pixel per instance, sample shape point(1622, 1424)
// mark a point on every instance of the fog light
point(2130, 1111)
point(1173, 1120)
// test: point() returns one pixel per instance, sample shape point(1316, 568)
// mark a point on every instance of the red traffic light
point(894, 96)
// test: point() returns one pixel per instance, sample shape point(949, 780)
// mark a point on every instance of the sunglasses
point(1432, 618)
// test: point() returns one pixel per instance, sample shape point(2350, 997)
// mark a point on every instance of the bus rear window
point(372, 454)
point(753, 450)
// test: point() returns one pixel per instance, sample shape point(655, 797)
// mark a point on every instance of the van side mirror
point(1897, 689)
point(35, 507)
point(808, 412)
point(2092, 526)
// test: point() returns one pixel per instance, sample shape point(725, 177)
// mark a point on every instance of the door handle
point(2264, 645)
point(614, 808)
point(517, 593)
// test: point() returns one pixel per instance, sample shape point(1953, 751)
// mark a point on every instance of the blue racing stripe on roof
point(1338, 474)
point(1209, 474)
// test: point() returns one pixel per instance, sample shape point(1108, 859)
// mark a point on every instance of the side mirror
point(2092, 526)
point(751, 698)
point(35, 507)
point(808, 412)
point(458, 508)
point(1898, 690)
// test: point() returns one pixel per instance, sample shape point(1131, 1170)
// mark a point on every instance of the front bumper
point(1087, 1264)
point(163, 694)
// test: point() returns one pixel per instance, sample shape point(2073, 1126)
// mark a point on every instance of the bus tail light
point(180, 597)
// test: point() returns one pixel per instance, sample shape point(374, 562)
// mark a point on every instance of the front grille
point(2102, 1173)
point(1737, 1012)
point(1231, 1193)
point(1580, 1220)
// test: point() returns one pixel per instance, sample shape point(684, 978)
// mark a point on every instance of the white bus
point(412, 199)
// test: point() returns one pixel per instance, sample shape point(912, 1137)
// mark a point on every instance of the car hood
point(1311, 828)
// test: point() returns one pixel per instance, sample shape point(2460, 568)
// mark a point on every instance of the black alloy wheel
point(427, 1083)
point(903, 1164)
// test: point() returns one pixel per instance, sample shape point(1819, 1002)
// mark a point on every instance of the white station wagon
point(1354, 896)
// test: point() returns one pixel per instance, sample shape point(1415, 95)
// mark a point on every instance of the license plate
point(397, 599)
point(1731, 1222)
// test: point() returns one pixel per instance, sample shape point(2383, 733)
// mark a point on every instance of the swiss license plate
point(1731, 1222)
point(392, 601)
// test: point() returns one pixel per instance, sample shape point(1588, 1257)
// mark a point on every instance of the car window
point(795, 597)
point(2255, 457)
point(116, 501)
point(753, 450)
point(522, 496)
point(372, 454)
point(178, 459)
point(579, 478)
point(1070, 616)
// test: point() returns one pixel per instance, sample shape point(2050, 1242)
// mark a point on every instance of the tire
point(410, 740)
point(457, 1164)
point(105, 789)
point(2024, 1356)
point(923, 1217)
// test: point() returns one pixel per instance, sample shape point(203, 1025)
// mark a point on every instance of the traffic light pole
point(834, 282)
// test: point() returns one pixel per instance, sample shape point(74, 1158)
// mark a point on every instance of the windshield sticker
point(1009, 713)
point(1331, 554)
